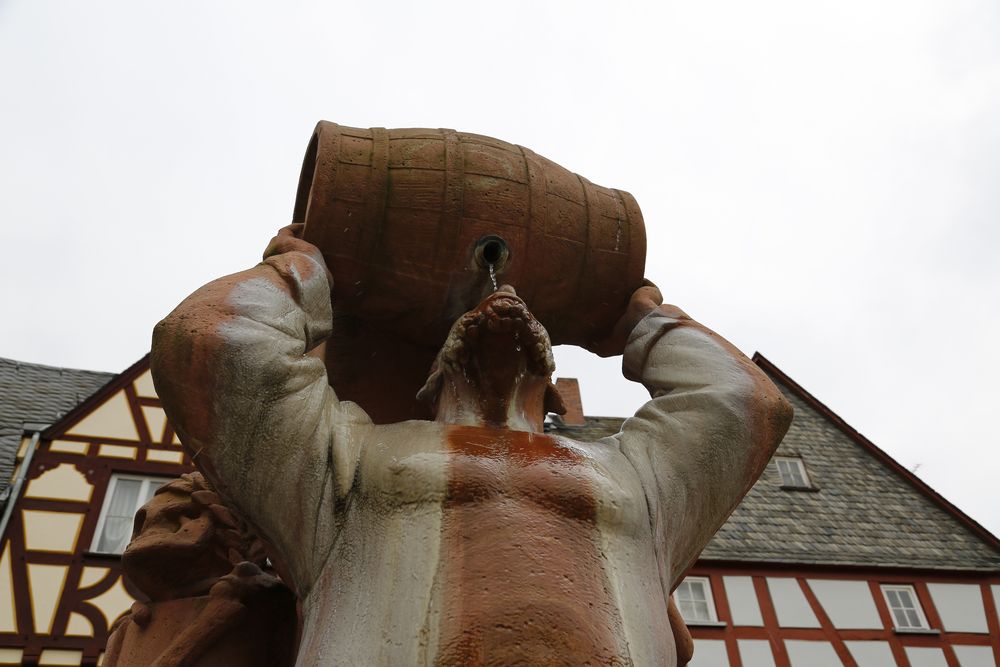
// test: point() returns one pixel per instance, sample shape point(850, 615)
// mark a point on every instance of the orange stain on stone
point(521, 569)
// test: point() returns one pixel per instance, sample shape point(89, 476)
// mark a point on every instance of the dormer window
point(907, 616)
point(793, 472)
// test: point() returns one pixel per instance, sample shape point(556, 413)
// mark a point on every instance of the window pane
point(125, 497)
point(694, 600)
point(116, 534)
point(905, 608)
point(118, 519)
point(791, 471)
point(150, 491)
point(693, 590)
point(683, 591)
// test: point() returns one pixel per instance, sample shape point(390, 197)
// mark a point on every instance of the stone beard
point(474, 539)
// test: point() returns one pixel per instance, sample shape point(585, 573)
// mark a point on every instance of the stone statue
point(475, 538)
point(210, 603)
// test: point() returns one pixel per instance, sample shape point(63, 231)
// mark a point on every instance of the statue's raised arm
point(712, 424)
point(256, 412)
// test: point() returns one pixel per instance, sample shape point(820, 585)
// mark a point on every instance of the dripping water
point(493, 276)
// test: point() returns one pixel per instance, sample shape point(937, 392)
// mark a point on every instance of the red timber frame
point(776, 635)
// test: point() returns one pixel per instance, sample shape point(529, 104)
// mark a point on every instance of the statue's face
point(495, 367)
point(499, 333)
point(171, 520)
point(173, 546)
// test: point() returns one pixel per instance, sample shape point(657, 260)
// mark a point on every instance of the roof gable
point(868, 510)
point(125, 409)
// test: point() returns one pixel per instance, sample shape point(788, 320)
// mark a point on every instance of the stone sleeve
point(702, 441)
point(256, 412)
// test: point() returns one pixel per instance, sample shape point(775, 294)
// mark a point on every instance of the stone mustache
point(469, 536)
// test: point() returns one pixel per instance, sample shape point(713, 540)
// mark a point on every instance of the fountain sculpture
point(370, 400)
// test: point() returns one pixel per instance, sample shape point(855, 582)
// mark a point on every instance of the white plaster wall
point(112, 419)
point(755, 652)
point(807, 653)
point(975, 656)
point(64, 482)
point(960, 607)
point(51, 531)
point(8, 616)
point(871, 654)
point(144, 386)
point(10, 656)
point(742, 599)
point(790, 604)
point(57, 656)
point(709, 653)
point(849, 604)
point(925, 657)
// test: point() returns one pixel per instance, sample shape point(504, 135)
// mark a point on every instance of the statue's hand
point(643, 301)
point(289, 239)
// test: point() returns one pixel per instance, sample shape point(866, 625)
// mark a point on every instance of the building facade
point(837, 556)
point(78, 484)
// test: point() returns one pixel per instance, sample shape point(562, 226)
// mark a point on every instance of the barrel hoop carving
point(454, 188)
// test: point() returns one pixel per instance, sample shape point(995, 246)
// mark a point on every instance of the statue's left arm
point(711, 426)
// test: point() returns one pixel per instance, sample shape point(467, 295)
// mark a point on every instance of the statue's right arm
point(255, 412)
point(713, 421)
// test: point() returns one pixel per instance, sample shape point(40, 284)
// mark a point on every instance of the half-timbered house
point(76, 486)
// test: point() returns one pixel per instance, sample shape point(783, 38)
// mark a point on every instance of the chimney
point(569, 389)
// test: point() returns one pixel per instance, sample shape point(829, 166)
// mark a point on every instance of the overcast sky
point(819, 179)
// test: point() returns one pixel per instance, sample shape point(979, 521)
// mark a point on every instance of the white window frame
point(917, 608)
point(706, 588)
point(145, 480)
point(799, 467)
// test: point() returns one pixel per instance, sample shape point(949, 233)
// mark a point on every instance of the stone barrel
point(407, 220)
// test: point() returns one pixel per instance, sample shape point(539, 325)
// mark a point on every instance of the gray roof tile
point(36, 394)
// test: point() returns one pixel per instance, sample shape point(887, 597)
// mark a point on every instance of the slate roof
point(37, 395)
point(865, 511)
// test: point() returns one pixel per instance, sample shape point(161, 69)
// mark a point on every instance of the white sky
point(819, 179)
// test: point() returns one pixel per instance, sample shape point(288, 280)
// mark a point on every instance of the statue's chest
point(459, 466)
point(488, 466)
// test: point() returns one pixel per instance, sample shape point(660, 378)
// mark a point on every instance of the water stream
point(493, 276)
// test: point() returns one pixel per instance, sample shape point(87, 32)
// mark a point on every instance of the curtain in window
point(118, 520)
